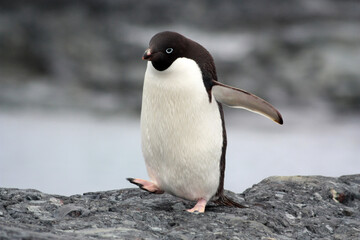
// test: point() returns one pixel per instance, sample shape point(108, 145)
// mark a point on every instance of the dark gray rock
point(295, 207)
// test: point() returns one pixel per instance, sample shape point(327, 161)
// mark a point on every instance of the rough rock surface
point(295, 207)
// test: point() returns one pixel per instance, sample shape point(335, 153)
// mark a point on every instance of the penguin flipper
point(238, 98)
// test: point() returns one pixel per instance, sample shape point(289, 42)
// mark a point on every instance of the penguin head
point(165, 48)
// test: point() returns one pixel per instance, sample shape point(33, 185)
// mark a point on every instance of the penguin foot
point(199, 207)
point(146, 185)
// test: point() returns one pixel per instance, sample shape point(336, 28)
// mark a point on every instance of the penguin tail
point(226, 201)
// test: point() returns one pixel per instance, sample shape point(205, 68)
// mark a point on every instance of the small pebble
point(279, 196)
point(318, 196)
point(329, 228)
point(289, 216)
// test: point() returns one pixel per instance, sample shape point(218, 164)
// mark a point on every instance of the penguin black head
point(166, 47)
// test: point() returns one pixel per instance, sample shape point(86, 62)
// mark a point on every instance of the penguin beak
point(147, 55)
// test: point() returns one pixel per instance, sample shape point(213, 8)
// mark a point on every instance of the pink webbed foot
point(146, 185)
point(199, 207)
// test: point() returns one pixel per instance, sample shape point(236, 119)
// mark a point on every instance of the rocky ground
point(295, 207)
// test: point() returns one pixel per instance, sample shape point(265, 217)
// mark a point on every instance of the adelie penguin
point(182, 122)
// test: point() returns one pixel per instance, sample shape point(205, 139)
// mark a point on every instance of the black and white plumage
point(182, 123)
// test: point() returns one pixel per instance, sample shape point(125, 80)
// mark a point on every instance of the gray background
point(71, 78)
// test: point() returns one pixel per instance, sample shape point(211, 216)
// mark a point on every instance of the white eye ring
point(169, 50)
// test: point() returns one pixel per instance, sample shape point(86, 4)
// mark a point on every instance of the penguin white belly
point(182, 133)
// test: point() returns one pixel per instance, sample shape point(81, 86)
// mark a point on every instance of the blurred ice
point(71, 153)
point(68, 153)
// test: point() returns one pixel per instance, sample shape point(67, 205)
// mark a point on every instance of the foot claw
point(132, 180)
point(146, 185)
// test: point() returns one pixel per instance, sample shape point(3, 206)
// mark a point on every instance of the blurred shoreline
point(70, 152)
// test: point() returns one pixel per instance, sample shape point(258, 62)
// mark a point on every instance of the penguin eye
point(169, 50)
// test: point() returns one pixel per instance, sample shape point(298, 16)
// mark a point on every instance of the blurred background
point(71, 79)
